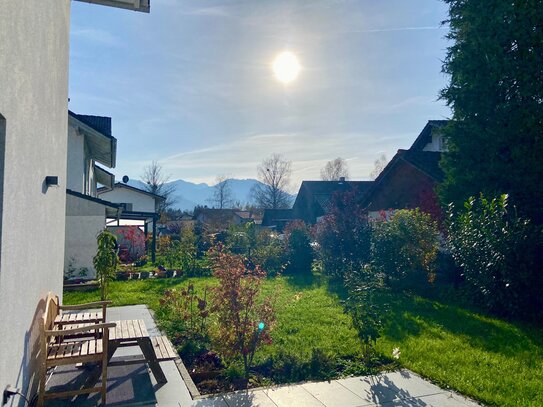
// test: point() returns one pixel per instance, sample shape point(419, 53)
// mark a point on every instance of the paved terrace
point(134, 386)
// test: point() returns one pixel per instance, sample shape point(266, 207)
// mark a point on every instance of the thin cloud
point(101, 37)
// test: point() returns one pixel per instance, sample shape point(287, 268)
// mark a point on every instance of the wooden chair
point(54, 351)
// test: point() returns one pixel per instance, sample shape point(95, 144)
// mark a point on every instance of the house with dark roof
point(90, 143)
point(313, 201)
point(410, 178)
point(277, 218)
point(221, 219)
point(314, 198)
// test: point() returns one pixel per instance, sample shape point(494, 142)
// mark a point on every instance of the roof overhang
point(102, 148)
point(104, 177)
point(136, 5)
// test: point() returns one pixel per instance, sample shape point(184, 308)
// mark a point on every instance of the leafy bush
point(269, 254)
point(244, 320)
point(344, 236)
point(405, 247)
point(500, 254)
point(298, 247)
point(260, 247)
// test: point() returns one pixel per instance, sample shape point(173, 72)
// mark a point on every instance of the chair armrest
point(85, 306)
point(73, 331)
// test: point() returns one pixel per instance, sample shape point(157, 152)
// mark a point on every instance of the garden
point(353, 296)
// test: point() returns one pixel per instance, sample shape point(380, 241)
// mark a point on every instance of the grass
point(497, 362)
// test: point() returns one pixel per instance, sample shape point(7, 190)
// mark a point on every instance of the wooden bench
point(64, 319)
point(54, 351)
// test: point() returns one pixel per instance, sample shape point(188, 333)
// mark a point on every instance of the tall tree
point(335, 169)
point(223, 196)
point(378, 166)
point(274, 176)
point(495, 65)
point(156, 182)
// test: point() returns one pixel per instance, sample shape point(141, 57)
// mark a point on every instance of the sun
point(286, 67)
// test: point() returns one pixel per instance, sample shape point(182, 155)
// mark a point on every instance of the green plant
point(298, 247)
point(364, 304)
point(186, 305)
point(106, 260)
point(498, 252)
point(405, 246)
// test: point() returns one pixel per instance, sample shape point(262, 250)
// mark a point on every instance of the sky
point(191, 84)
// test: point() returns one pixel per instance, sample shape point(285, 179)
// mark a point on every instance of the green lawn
point(496, 362)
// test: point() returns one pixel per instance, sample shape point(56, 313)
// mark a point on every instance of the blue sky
point(191, 85)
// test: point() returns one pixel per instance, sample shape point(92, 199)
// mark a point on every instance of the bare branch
point(335, 169)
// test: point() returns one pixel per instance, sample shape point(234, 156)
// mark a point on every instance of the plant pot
point(144, 275)
point(179, 273)
point(134, 276)
point(170, 273)
point(123, 276)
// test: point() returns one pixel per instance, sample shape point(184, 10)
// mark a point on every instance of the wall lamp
point(51, 181)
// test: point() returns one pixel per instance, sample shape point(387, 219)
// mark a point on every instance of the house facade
point(34, 55)
point(139, 208)
point(90, 143)
point(409, 180)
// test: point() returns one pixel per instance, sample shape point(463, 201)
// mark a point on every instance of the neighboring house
point(221, 219)
point(410, 178)
point(174, 227)
point(313, 201)
point(34, 55)
point(89, 142)
point(138, 207)
point(315, 198)
point(277, 219)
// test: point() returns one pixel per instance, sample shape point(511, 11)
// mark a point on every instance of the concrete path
point(402, 388)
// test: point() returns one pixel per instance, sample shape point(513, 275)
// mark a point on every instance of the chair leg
point(104, 378)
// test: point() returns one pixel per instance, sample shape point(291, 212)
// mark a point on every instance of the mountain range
point(187, 194)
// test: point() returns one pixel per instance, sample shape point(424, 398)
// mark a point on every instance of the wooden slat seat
point(163, 348)
point(73, 318)
point(91, 349)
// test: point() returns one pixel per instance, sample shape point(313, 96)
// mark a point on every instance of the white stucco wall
point(84, 220)
point(34, 44)
point(140, 201)
point(76, 161)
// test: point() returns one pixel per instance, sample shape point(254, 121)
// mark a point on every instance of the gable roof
point(97, 131)
point(425, 135)
point(101, 124)
point(425, 161)
point(130, 187)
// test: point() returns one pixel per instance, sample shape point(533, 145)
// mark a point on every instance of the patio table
point(134, 333)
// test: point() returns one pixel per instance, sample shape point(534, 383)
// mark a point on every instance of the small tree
point(188, 249)
point(244, 320)
point(223, 196)
point(106, 261)
point(274, 176)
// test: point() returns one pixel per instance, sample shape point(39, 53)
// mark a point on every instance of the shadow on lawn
point(408, 314)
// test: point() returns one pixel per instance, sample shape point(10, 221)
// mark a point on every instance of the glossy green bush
point(498, 252)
